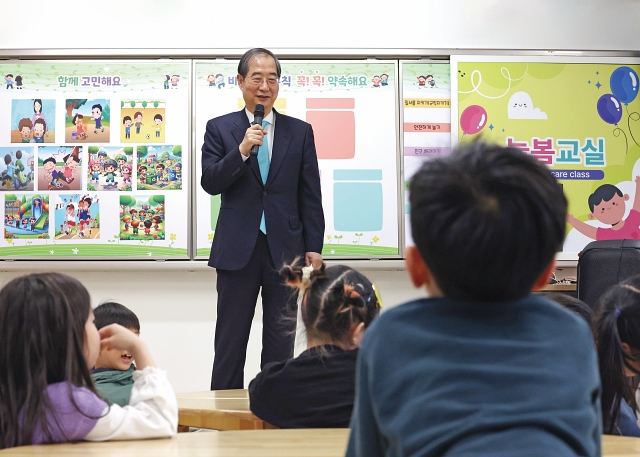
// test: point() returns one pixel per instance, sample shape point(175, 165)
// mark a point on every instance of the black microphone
point(258, 116)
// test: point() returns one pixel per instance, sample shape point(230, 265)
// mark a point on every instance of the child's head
point(39, 127)
point(127, 121)
point(108, 313)
point(573, 304)
point(47, 336)
point(96, 110)
point(338, 303)
point(607, 204)
point(487, 222)
point(25, 127)
point(157, 119)
point(618, 341)
point(49, 164)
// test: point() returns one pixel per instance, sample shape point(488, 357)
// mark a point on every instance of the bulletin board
point(426, 120)
point(578, 116)
point(353, 109)
point(94, 159)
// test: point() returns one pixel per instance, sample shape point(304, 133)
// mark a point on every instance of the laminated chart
point(352, 107)
point(84, 143)
point(426, 120)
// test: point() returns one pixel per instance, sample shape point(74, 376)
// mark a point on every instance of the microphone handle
point(254, 149)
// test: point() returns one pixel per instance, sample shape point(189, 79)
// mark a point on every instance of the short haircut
point(125, 119)
point(157, 116)
point(243, 65)
point(97, 105)
point(487, 220)
point(604, 193)
point(49, 159)
point(573, 304)
point(25, 122)
point(107, 313)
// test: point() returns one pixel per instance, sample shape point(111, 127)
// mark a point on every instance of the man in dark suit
point(271, 212)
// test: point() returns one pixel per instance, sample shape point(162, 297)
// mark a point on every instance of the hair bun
point(291, 274)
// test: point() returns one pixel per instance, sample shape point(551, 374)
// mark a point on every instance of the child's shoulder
point(63, 395)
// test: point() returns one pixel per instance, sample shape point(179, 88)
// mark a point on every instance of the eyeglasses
point(257, 81)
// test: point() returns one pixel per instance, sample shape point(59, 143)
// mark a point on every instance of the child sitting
point(113, 372)
point(316, 389)
point(482, 367)
point(618, 333)
point(48, 341)
point(574, 304)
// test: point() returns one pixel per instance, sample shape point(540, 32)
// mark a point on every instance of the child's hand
point(571, 219)
point(117, 337)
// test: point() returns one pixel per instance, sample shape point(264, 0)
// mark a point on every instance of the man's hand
point(313, 258)
point(253, 136)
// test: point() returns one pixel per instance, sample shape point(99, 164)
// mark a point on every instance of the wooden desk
point(218, 410)
point(248, 443)
point(560, 288)
point(620, 446)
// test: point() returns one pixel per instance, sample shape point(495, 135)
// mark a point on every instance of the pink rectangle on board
point(426, 127)
point(335, 133)
point(331, 103)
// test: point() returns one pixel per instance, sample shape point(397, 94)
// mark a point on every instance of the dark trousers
point(237, 295)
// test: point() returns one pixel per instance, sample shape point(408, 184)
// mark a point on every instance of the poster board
point(353, 109)
point(426, 120)
point(578, 116)
point(74, 139)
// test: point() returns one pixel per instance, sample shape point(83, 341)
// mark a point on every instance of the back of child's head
point(108, 312)
point(618, 322)
point(573, 304)
point(42, 340)
point(487, 220)
point(335, 298)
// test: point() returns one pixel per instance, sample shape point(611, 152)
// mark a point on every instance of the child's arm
point(636, 199)
point(585, 229)
point(152, 411)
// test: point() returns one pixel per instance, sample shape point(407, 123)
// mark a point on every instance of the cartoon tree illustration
point(106, 112)
point(127, 202)
point(132, 103)
point(142, 151)
point(358, 235)
point(144, 103)
point(338, 237)
point(128, 150)
point(74, 103)
point(156, 104)
point(177, 150)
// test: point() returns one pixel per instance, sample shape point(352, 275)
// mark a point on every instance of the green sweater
point(114, 385)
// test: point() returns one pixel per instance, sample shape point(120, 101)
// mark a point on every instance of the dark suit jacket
point(291, 198)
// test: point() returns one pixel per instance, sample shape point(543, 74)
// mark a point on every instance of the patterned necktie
point(263, 163)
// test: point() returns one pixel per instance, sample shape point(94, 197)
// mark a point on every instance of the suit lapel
point(242, 124)
point(280, 145)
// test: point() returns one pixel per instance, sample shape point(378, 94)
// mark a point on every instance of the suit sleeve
point(220, 168)
point(310, 196)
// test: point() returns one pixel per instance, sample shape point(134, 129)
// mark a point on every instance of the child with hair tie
point(316, 389)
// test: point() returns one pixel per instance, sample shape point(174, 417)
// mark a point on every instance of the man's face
point(261, 84)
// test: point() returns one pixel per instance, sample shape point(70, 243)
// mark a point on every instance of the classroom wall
point(211, 27)
point(177, 312)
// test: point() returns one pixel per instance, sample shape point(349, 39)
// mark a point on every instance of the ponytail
point(618, 323)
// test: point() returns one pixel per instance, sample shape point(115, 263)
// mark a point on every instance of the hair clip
point(618, 312)
point(375, 291)
point(306, 278)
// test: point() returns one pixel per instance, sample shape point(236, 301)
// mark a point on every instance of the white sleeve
point(152, 411)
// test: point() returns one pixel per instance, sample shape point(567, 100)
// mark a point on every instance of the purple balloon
point(610, 109)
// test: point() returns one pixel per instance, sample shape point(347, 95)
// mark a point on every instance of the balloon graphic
point(624, 84)
point(473, 119)
point(609, 109)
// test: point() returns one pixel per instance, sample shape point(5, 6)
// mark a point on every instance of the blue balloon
point(624, 84)
point(610, 109)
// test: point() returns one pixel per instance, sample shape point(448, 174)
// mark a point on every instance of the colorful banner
point(426, 120)
point(352, 108)
point(579, 117)
point(92, 161)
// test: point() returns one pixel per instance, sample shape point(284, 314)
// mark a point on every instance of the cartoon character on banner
point(473, 119)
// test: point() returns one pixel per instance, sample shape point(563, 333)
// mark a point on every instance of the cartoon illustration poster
point(579, 117)
point(73, 135)
point(352, 107)
point(426, 120)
